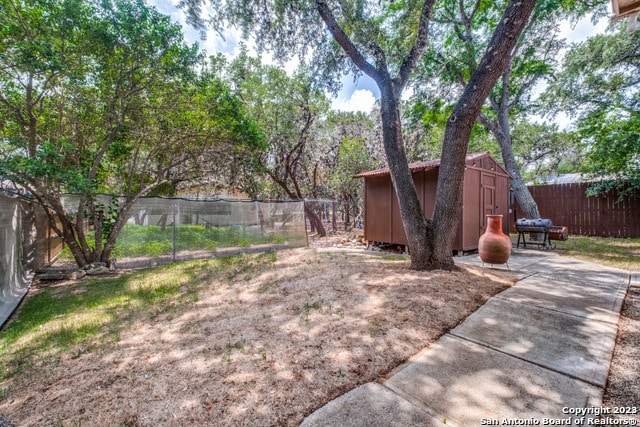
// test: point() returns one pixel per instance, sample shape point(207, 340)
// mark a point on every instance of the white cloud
point(212, 44)
point(583, 29)
point(360, 100)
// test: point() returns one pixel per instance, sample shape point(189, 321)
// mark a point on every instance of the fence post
point(174, 230)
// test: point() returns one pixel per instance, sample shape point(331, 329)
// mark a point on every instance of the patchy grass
point(151, 241)
point(247, 340)
point(615, 252)
point(84, 316)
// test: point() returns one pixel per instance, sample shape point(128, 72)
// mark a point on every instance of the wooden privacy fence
point(604, 216)
point(47, 245)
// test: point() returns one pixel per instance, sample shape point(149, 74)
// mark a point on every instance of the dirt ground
point(623, 384)
point(261, 348)
point(268, 347)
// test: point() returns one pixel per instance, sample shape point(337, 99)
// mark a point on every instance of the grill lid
point(539, 225)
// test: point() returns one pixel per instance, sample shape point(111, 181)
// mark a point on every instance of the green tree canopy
point(106, 98)
point(288, 111)
point(599, 85)
point(462, 31)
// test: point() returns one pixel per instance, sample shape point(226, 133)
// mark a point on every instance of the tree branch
point(345, 42)
point(419, 45)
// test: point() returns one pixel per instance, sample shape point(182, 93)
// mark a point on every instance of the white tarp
point(15, 276)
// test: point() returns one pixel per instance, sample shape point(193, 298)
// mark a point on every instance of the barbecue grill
point(540, 226)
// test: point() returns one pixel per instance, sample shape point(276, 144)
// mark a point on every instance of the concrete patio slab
point(573, 270)
point(525, 357)
point(467, 383)
point(371, 404)
point(578, 298)
point(519, 261)
point(634, 280)
point(572, 345)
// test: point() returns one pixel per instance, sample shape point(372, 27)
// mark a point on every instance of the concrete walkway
point(538, 351)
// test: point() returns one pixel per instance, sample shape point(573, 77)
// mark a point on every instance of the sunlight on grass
point(616, 252)
point(79, 317)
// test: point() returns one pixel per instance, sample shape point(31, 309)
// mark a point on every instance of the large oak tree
point(384, 40)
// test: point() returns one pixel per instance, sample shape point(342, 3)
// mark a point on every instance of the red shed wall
point(378, 213)
point(486, 188)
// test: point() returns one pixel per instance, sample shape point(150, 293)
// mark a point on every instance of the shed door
point(488, 201)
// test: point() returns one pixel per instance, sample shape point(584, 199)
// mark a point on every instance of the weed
point(263, 352)
point(394, 258)
point(268, 257)
point(239, 345)
point(266, 287)
point(316, 305)
point(278, 240)
point(306, 309)
point(228, 358)
point(191, 295)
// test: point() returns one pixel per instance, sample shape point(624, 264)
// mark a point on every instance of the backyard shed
point(486, 191)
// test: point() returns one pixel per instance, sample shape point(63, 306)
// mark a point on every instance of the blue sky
point(354, 96)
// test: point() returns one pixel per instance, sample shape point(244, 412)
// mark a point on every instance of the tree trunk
point(430, 242)
point(314, 221)
point(528, 205)
point(415, 224)
point(334, 215)
point(523, 196)
point(458, 129)
point(139, 217)
point(413, 219)
point(347, 219)
point(121, 221)
point(66, 232)
point(98, 223)
point(162, 222)
point(501, 130)
point(31, 130)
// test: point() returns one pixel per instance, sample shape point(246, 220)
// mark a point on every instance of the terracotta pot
point(494, 246)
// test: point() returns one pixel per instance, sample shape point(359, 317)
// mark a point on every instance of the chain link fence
point(160, 230)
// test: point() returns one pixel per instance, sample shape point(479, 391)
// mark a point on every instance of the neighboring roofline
point(428, 165)
point(571, 178)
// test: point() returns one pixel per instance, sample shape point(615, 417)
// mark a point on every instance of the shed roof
point(420, 166)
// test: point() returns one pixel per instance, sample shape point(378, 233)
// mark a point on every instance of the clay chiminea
point(494, 247)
